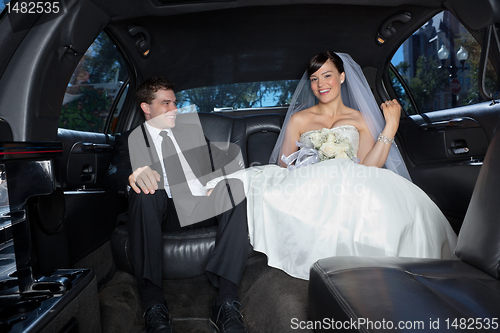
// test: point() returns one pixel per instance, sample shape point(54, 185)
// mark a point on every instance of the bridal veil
point(356, 94)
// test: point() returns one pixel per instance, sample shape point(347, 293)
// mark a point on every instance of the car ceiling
point(242, 41)
point(126, 9)
point(201, 44)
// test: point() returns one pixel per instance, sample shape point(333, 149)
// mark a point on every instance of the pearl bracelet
point(385, 139)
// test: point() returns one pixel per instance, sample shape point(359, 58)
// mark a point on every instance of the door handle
point(464, 122)
point(87, 174)
point(458, 151)
point(459, 147)
point(96, 147)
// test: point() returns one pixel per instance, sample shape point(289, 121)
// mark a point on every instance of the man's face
point(162, 111)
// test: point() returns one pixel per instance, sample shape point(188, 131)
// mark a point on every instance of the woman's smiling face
point(326, 82)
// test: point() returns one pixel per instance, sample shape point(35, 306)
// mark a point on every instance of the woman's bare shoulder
point(301, 117)
point(357, 118)
point(305, 113)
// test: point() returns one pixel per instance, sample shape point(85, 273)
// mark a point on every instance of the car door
point(447, 122)
point(90, 110)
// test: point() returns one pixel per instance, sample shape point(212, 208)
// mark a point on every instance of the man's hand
point(145, 179)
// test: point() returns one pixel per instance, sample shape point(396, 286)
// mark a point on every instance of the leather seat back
point(479, 237)
point(261, 134)
point(255, 135)
point(218, 128)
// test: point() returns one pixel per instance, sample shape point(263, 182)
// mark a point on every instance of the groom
point(171, 162)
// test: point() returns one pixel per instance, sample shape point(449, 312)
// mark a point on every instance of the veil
point(356, 94)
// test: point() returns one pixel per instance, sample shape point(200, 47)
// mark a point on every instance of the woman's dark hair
point(146, 92)
point(319, 60)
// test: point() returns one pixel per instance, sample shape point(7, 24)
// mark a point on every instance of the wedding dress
point(337, 207)
point(321, 206)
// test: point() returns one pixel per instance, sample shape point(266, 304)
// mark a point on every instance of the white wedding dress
point(339, 208)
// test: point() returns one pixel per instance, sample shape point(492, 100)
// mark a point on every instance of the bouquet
point(325, 144)
point(330, 144)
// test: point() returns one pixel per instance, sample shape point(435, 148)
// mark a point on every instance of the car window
point(93, 88)
point(239, 96)
point(3, 4)
point(437, 67)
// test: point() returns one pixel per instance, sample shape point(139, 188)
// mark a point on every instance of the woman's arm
point(375, 153)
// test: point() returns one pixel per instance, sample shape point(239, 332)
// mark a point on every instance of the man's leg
point(228, 260)
point(147, 213)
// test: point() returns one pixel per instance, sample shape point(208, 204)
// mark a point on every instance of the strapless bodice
point(348, 132)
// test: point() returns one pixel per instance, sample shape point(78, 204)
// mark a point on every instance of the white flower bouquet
point(330, 144)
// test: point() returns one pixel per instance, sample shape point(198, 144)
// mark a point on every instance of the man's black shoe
point(158, 319)
point(227, 319)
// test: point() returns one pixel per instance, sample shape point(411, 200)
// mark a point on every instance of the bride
point(342, 188)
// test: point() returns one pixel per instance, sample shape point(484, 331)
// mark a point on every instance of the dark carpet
point(270, 299)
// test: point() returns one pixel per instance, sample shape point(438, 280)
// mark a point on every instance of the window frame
point(405, 86)
point(384, 85)
point(106, 128)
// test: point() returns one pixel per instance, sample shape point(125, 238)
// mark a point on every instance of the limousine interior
point(68, 74)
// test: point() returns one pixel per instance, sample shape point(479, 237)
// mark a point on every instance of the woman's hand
point(377, 155)
point(392, 114)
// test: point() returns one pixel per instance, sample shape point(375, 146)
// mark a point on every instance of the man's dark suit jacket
point(205, 159)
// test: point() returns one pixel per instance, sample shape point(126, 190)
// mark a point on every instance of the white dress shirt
point(197, 189)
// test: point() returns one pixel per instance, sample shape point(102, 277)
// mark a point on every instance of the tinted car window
point(440, 64)
point(92, 90)
point(239, 96)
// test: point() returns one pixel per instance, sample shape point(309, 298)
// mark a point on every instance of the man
point(171, 162)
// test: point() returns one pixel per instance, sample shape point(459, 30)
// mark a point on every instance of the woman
point(347, 204)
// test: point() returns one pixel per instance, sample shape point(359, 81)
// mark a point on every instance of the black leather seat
point(428, 293)
point(186, 252)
